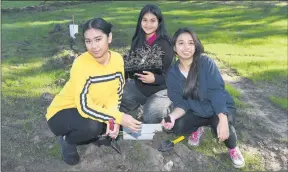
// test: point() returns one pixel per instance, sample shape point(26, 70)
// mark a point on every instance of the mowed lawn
point(251, 37)
point(18, 4)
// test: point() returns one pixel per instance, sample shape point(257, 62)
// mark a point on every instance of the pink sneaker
point(236, 157)
point(194, 138)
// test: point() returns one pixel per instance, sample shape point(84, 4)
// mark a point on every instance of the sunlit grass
point(36, 24)
point(241, 36)
point(236, 96)
point(232, 91)
point(32, 86)
point(18, 4)
point(280, 101)
point(254, 62)
point(28, 79)
point(235, 35)
point(253, 161)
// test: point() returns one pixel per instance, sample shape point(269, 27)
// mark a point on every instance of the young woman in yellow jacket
point(91, 98)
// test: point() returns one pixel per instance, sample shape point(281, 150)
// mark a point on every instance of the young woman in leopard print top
point(146, 64)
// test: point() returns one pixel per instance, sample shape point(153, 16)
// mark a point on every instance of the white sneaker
point(194, 138)
point(236, 157)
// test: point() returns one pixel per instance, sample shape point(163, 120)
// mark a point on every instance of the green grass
point(18, 4)
point(257, 62)
point(253, 161)
point(280, 101)
point(55, 151)
point(236, 95)
point(254, 43)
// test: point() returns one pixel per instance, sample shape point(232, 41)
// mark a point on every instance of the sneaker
point(236, 157)
point(68, 152)
point(194, 138)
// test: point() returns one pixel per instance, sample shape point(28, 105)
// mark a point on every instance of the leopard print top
point(147, 57)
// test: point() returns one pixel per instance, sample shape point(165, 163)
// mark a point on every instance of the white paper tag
point(73, 30)
point(147, 132)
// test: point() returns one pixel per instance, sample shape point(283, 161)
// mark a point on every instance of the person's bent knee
point(178, 127)
point(95, 127)
point(128, 103)
point(151, 119)
point(153, 115)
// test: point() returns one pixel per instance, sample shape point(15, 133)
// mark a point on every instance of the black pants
point(190, 122)
point(78, 130)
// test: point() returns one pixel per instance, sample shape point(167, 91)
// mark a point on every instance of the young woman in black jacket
point(146, 64)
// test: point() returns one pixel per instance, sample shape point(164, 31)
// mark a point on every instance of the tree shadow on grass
point(224, 14)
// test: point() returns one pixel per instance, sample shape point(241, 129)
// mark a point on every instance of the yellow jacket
point(95, 90)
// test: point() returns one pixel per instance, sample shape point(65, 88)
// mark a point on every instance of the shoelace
point(234, 154)
point(195, 135)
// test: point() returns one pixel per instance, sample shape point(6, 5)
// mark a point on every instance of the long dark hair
point(98, 23)
point(191, 88)
point(138, 40)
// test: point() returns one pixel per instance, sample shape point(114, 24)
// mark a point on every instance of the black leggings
point(78, 130)
point(190, 122)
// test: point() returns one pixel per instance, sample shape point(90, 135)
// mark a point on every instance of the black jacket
point(156, 58)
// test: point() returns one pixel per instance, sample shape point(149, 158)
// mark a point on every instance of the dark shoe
point(108, 141)
point(103, 140)
point(68, 152)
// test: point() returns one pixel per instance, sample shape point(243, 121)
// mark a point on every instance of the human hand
point(114, 133)
point(222, 128)
point(168, 125)
point(146, 77)
point(131, 123)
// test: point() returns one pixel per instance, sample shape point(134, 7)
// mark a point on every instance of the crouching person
point(91, 98)
point(197, 90)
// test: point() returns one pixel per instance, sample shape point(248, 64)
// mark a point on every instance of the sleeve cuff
point(224, 111)
point(182, 107)
point(159, 79)
point(118, 117)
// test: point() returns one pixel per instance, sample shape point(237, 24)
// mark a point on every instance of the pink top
point(151, 39)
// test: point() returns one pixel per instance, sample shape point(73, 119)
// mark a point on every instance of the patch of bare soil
point(261, 125)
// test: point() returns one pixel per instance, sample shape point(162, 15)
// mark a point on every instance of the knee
point(95, 127)
point(178, 127)
point(153, 114)
point(129, 102)
point(151, 119)
point(162, 94)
